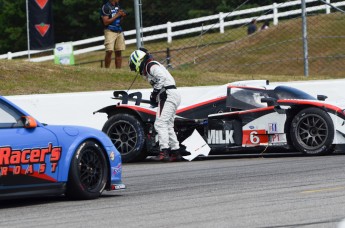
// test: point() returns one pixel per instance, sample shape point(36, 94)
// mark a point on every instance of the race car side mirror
point(270, 101)
point(273, 102)
point(321, 97)
point(29, 122)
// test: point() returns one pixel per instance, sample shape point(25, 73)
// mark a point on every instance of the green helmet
point(135, 59)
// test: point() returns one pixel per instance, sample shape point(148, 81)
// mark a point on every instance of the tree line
point(80, 19)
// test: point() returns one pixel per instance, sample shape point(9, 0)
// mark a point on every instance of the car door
point(28, 156)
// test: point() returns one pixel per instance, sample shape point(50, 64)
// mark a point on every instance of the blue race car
point(37, 159)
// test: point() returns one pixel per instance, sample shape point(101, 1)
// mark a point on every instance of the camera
point(127, 14)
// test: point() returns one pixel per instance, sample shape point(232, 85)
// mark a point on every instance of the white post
point(275, 13)
point(221, 22)
point(169, 32)
point(138, 23)
point(9, 55)
point(328, 8)
point(28, 27)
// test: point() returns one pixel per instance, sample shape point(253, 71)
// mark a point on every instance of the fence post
point(169, 32)
point(328, 8)
point(138, 25)
point(9, 55)
point(221, 22)
point(305, 38)
point(168, 58)
point(275, 13)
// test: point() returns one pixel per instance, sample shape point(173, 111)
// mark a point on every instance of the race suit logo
point(220, 137)
point(28, 157)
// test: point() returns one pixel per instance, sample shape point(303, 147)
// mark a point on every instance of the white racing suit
point(168, 100)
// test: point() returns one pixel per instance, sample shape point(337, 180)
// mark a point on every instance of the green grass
point(279, 50)
point(20, 77)
point(276, 51)
point(274, 54)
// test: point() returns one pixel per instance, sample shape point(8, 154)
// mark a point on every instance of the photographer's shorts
point(114, 41)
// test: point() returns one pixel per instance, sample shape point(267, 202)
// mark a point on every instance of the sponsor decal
point(278, 138)
point(112, 156)
point(275, 138)
point(220, 137)
point(116, 170)
point(272, 128)
point(254, 137)
point(251, 127)
point(29, 157)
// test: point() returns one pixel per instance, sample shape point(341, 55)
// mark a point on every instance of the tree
point(13, 26)
point(76, 19)
point(80, 19)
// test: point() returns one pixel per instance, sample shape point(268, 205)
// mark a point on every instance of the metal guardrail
point(168, 32)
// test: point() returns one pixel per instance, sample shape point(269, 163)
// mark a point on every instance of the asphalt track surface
point(278, 190)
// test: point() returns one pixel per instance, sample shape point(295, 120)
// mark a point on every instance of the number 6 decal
point(254, 139)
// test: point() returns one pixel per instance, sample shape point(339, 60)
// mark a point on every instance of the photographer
point(112, 15)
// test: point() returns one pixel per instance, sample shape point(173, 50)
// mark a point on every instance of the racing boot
point(162, 156)
point(175, 156)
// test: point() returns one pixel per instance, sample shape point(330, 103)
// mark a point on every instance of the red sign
point(41, 3)
point(41, 24)
point(42, 28)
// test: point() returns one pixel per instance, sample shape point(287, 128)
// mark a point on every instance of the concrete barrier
point(78, 108)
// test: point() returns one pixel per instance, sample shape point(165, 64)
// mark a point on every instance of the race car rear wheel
point(312, 132)
point(88, 172)
point(127, 134)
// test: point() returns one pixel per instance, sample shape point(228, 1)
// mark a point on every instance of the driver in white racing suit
point(166, 96)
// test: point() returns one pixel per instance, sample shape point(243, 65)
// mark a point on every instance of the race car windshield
point(285, 92)
point(243, 99)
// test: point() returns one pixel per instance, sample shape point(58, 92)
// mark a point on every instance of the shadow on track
point(23, 202)
point(269, 153)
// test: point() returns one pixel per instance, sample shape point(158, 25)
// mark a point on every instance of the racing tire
point(312, 132)
point(128, 136)
point(88, 172)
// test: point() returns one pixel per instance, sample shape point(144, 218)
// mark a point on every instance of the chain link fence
point(221, 43)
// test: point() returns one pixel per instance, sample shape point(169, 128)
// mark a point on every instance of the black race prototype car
point(241, 116)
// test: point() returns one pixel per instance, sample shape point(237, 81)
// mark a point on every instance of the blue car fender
point(74, 137)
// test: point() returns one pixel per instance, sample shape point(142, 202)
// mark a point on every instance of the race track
point(232, 191)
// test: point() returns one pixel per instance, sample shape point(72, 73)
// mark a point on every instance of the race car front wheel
point(88, 172)
point(127, 134)
point(312, 132)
